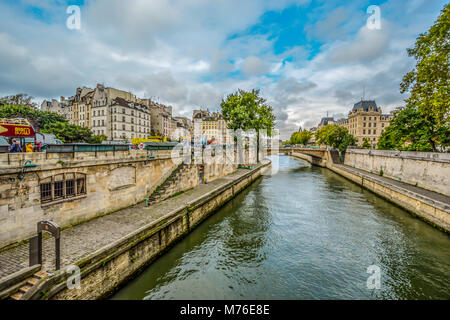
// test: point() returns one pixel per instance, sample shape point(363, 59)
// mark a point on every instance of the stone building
point(161, 119)
point(365, 120)
point(118, 115)
point(213, 125)
point(325, 121)
point(128, 120)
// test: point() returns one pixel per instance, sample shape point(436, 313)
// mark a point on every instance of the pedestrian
point(38, 146)
point(15, 147)
point(29, 147)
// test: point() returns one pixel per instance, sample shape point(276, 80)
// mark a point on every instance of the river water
point(303, 233)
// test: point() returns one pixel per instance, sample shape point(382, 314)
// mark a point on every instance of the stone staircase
point(182, 178)
point(30, 282)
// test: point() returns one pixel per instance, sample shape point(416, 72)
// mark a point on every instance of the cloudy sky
point(307, 57)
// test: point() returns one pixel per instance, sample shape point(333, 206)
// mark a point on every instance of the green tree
point(247, 110)
point(366, 144)
point(38, 118)
point(97, 139)
point(67, 132)
point(335, 136)
point(428, 83)
point(19, 99)
point(410, 130)
point(301, 137)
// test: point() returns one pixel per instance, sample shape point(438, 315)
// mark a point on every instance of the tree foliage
point(22, 99)
point(409, 130)
point(428, 83)
point(424, 123)
point(97, 139)
point(366, 144)
point(335, 136)
point(38, 118)
point(301, 137)
point(247, 110)
point(67, 132)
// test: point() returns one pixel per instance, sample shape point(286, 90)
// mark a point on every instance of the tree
point(335, 136)
point(98, 139)
point(302, 137)
point(410, 130)
point(37, 118)
point(366, 144)
point(67, 132)
point(428, 83)
point(247, 110)
point(22, 99)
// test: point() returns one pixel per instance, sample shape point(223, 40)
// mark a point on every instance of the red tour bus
point(19, 129)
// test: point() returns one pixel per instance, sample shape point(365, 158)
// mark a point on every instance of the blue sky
point(307, 57)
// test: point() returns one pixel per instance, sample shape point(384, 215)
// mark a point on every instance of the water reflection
point(304, 233)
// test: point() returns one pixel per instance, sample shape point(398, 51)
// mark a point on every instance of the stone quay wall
point(427, 170)
point(430, 208)
point(103, 271)
point(106, 182)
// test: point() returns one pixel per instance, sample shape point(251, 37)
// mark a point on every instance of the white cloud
point(182, 50)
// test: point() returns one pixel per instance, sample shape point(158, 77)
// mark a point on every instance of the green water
point(304, 233)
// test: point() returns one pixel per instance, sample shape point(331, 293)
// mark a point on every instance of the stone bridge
point(316, 156)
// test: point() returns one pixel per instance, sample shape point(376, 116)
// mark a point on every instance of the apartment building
point(213, 125)
point(161, 119)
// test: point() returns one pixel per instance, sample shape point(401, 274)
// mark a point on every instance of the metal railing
point(71, 148)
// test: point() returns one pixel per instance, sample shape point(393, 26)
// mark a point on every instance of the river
point(303, 233)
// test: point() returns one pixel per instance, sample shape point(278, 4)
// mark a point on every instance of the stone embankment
point(425, 203)
point(110, 249)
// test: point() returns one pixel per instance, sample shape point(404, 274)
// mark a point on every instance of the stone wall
point(107, 268)
point(112, 182)
point(427, 170)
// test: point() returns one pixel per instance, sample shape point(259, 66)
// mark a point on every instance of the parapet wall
point(427, 170)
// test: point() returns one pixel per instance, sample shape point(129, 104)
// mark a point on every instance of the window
point(364, 131)
point(46, 191)
point(374, 131)
point(62, 186)
point(70, 188)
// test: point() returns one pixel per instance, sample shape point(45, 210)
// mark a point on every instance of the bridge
point(316, 156)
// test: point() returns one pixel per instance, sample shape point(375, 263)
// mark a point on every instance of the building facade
point(213, 125)
point(161, 119)
point(365, 121)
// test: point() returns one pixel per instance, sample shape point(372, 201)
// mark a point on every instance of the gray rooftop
point(366, 104)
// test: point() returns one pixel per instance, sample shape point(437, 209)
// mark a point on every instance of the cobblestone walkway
point(81, 240)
